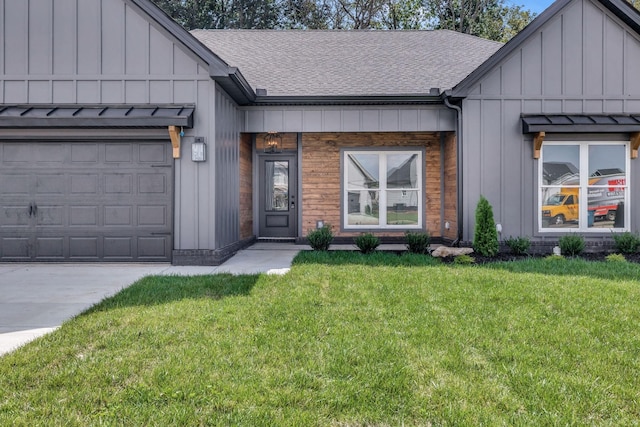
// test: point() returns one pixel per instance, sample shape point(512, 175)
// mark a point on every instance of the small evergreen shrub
point(518, 245)
point(485, 240)
point(626, 243)
point(367, 242)
point(320, 239)
point(615, 258)
point(464, 260)
point(417, 243)
point(571, 244)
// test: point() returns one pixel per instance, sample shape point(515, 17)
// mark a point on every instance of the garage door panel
point(154, 216)
point(118, 248)
point(14, 216)
point(81, 216)
point(50, 184)
point(152, 184)
point(152, 247)
point(85, 154)
point(13, 184)
point(89, 201)
point(14, 248)
point(117, 183)
point(117, 216)
point(118, 153)
point(49, 248)
point(153, 153)
point(83, 247)
point(83, 184)
point(50, 216)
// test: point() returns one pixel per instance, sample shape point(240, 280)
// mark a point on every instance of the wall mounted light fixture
point(272, 142)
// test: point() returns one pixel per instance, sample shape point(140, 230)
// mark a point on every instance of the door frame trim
point(256, 184)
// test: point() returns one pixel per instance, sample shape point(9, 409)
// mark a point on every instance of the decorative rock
point(445, 251)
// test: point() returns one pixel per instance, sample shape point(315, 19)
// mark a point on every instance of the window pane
point(363, 208)
point(560, 207)
point(607, 185)
point(560, 165)
point(363, 171)
point(402, 207)
point(277, 186)
point(402, 171)
point(606, 160)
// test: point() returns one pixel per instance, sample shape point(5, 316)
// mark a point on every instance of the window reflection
point(277, 183)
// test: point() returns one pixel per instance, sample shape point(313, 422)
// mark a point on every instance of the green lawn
point(345, 340)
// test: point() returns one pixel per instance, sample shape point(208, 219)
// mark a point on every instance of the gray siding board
point(113, 16)
point(15, 38)
point(613, 58)
point(40, 12)
point(632, 64)
point(349, 119)
point(89, 40)
point(552, 58)
point(573, 59)
point(227, 171)
point(64, 37)
point(593, 37)
point(137, 43)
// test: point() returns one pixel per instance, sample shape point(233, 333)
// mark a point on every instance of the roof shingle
point(349, 63)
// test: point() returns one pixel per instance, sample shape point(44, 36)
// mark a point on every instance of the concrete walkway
point(37, 298)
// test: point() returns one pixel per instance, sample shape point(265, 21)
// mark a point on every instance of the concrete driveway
point(37, 298)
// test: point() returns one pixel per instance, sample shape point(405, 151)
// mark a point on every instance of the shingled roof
point(349, 63)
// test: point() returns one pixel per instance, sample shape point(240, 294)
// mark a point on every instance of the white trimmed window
point(382, 189)
point(583, 186)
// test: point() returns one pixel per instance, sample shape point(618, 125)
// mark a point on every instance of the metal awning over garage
point(580, 123)
point(94, 116)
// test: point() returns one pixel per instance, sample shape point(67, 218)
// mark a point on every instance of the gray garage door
point(86, 201)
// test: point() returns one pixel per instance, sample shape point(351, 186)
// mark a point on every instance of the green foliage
point(518, 245)
point(615, 258)
point(485, 240)
point(491, 19)
point(571, 244)
point(367, 242)
point(320, 239)
point(554, 257)
point(626, 243)
point(464, 259)
point(417, 243)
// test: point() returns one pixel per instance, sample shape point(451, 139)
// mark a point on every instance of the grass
point(345, 340)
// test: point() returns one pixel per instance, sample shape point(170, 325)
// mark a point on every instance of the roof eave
point(348, 100)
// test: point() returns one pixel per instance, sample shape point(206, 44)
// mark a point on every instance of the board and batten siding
point(584, 60)
point(321, 175)
point(350, 119)
point(110, 52)
point(228, 125)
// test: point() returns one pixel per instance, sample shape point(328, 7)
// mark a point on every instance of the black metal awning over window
point(580, 123)
point(96, 116)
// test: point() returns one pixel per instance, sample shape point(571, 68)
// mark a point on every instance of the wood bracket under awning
point(635, 144)
point(538, 139)
point(174, 133)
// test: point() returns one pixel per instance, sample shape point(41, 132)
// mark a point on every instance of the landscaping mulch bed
point(504, 256)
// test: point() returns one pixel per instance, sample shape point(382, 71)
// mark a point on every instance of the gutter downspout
point(459, 169)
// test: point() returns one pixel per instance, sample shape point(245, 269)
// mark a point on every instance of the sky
point(536, 6)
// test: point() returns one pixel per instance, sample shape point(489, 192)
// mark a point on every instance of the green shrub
point(485, 240)
point(626, 243)
point(417, 243)
point(464, 259)
point(571, 244)
point(367, 242)
point(320, 239)
point(518, 245)
point(615, 258)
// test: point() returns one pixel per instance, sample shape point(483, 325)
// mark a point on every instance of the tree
point(485, 239)
point(490, 19)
